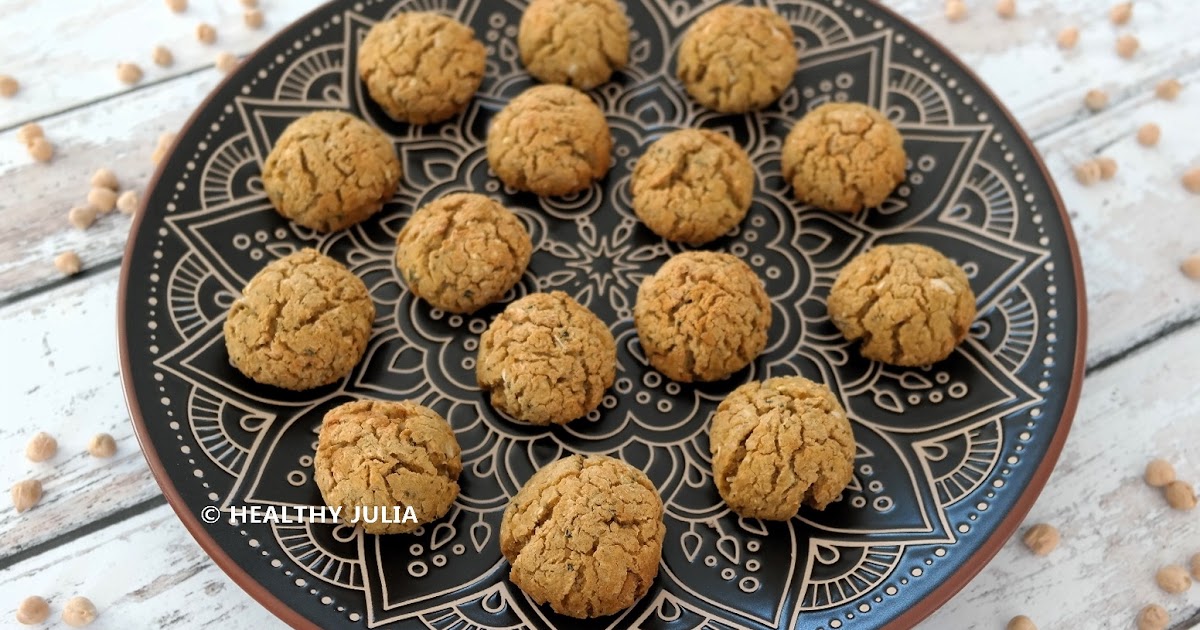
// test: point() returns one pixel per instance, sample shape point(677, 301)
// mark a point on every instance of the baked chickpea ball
point(584, 535)
point(908, 304)
point(301, 322)
point(551, 140)
point(702, 316)
point(330, 170)
point(421, 67)
point(844, 157)
point(378, 455)
point(462, 252)
point(692, 186)
point(546, 359)
point(574, 42)
point(735, 59)
point(780, 444)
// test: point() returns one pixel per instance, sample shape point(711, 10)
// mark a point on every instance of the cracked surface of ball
point(382, 455)
point(462, 252)
point(584, 535)
point(303, 321)
point(908, 304)
point(702, 316)
point(736, 59)
point(844, 157)
point(330, 170)
point(421, 67)
point(579, 43)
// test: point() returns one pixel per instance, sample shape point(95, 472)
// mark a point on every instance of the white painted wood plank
point(66, 53)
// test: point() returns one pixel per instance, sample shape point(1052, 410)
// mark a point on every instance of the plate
point(950, 457)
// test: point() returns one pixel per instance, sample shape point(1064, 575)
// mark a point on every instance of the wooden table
point(104, 530)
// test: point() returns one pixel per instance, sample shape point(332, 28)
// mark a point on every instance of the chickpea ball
point(205, 33)
point(956, 10)
point(1096, 100)
point(41, 150)
point(1121, 13)
point(104, 178)
point(162, 57)
point(67, 263)
point(1021, 622)
point(1181, 495)
point(102, 199)
point(1159, 472)
point(253, 19)
point(1108, 167)
point(1191, 180)
point(1191, 266)
point(102, 445)
point(1041, 539)
point(1173, 579)
point(1153, 617)
point(1088, 173)
point(1068, 37)
point(1006, 9)
point(41, 446)
point(1168, 90)
point(9, 86)
point(26, 494)
point(81, 217)
point(129, 73)
point(225, 62)
point(1127, 46)
point(33, 610)
point(29, 132)
point(128, 202)
point(178, 6)
point(79, 612)
point(1148, 135)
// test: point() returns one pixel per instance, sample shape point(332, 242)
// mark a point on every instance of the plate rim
point(926, 606)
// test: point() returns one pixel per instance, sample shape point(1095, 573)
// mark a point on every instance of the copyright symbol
point(210, 514)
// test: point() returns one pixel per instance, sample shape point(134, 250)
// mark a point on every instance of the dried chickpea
point(26, 494)
point(1127, 46)
point(1068, 37)
point(1006, 8)
point(79, 612)
point(206, 33)
point(178, 6)
point(1149, 134)
point(127, 203)
point(1173, 579)
point(1041, 539)
point(129, 73)
point(81, 217)
point(33, 610)
point(68, 263)
point(1153, 617)
point(1108, 167)
point(956, 10)
point(41, 150)
point(250, 4)
point(1191, 268)
point(1159, 472)
point(253, 19)
point(1088, 172)
point(1168, 90)
point(41, 446)
point(226, 62)
point(162, 57)
point(1191, 180)
point(1180, 495)
point(1021, 622)
point(102, 199)
point(104, 178)
point(1096, 100)
point(9, 86)
point(102, 445)
point(29, 132)
point(1121, 13)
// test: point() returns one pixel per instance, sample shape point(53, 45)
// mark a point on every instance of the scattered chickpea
point(226, 62)
point(129, 73)
point(41, 150)
point(9, 86)
point(1021, 622)
point(1041, 539)
point(956, 10)
point(1108, 167)
point(102, 445)
point(26, 494)
point(1191, 180)
point(1127, 46)
point(29, 132)
point(79, 612)
point(33, 610)
point(1181, 495)
point(41, 446)
point(1149, 134)
point(1168, 90)
point(81, 217)
point(1121, 13)
point(1068, 37)
point(1006, 8)
point(250, 4)
point(162, 57)
point(1173, 579)
point(206, 33)
point(68, 263)
point(1159, 472)
point(127, 203)
point(102, 199)
point(178, 6)
point(253, 18)
point(1096, 100)
point(1190, 268)
point(105, 178)
point(1088, 172)
point(1153, 617)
